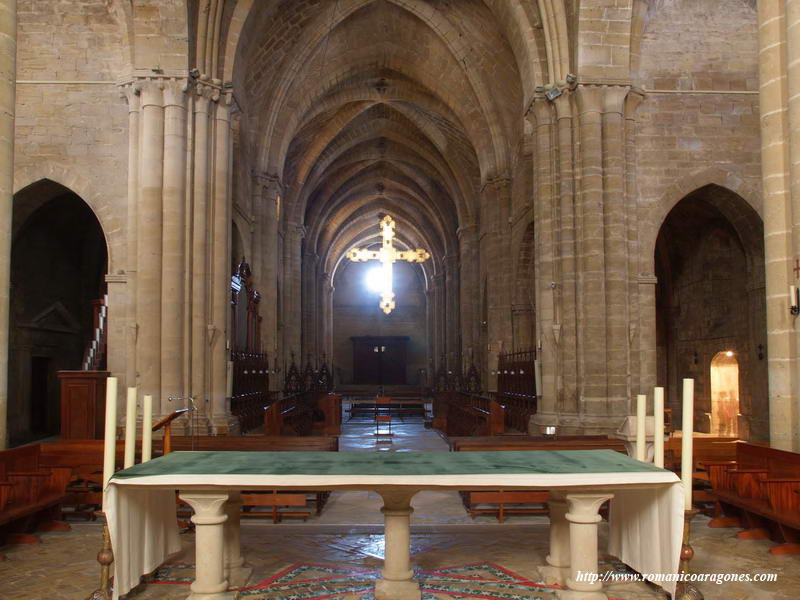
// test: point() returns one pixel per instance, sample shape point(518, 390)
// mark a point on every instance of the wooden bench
point(262, 443)
point(84, 459)
point(528, 502)
point(759, 493)
point(30, 495)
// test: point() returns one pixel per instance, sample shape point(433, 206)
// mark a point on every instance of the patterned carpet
point(305, 581)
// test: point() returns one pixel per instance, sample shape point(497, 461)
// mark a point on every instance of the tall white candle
point(147, 428)
point(658, 427)
point(792, 295)
point(130, 428)
point(641, 440)
point(687, 441)
point(110, 439)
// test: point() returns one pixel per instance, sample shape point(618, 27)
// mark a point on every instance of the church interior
point(458, 298)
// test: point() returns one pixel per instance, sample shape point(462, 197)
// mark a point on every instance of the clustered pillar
point(179, 244)
point(585, 260)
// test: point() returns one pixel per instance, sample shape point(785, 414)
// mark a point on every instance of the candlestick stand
point(105, 557)
point(686, 590)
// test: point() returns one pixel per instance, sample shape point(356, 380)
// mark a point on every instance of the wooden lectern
point(83, 404)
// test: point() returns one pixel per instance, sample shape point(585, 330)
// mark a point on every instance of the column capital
point(602, 97)
point(540, 111)
point(175, 92)
point(132, 92)
point(271, 181)
point(152, 91)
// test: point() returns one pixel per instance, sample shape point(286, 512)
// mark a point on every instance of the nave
point(342, 550)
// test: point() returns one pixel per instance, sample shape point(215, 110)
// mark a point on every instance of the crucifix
point(387, 255)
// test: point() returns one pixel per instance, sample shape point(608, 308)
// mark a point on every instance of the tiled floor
point(348, 536)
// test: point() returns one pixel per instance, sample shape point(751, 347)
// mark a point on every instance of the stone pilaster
point(8, 75)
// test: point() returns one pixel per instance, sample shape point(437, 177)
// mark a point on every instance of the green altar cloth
point(542, 462)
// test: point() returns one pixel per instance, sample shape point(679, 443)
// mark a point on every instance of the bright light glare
point(375, 280)
point(729, 353)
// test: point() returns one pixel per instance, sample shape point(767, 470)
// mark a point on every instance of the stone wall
point(356, 313)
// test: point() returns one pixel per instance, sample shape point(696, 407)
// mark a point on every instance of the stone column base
point(573, 424)
point(239, 576)
point(219, 596)
point(553, 575)
point(397, 590)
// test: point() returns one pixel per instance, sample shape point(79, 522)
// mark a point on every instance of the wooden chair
point(383, 419)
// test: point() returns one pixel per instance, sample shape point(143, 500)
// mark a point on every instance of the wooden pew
point(30, 494)
point(263, 443)
point(253, 443)
point(759, 493)
point(84, 459)
point(529, 501)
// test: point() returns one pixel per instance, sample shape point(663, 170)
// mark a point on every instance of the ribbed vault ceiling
point(368, 107)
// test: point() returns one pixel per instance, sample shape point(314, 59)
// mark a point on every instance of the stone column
point(583, 518)
point(220, 257)
point(396, 581)
point(439, 317)
point(793, 87)
point(269, 200)
point(566, 311)
point(236, 572)
point(591, 255)
point(174, 260)
point(779, 248)
point(150, 239)
point(327, 317)
point(469, 293)
point(617, 316)
point(204, 95)
point(8, 76)
point(209, 518)
point(545, 207)
point(557, 569)
point(310, 303)
point(452, 308)
point(292, 273)
point(132, 93)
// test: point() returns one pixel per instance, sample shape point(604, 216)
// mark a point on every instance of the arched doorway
point(58, 262)
point(725, 394)
point(710, 297)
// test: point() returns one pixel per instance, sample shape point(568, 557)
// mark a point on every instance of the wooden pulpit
point(83, 404)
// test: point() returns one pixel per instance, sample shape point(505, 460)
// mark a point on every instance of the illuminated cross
point(387, 255)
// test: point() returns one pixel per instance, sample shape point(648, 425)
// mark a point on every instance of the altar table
point(645, 521)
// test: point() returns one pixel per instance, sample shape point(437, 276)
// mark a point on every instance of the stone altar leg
point(557, 569)
point(236, 572)
point(209, 518)
point(583, 518)
point(396, 582)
